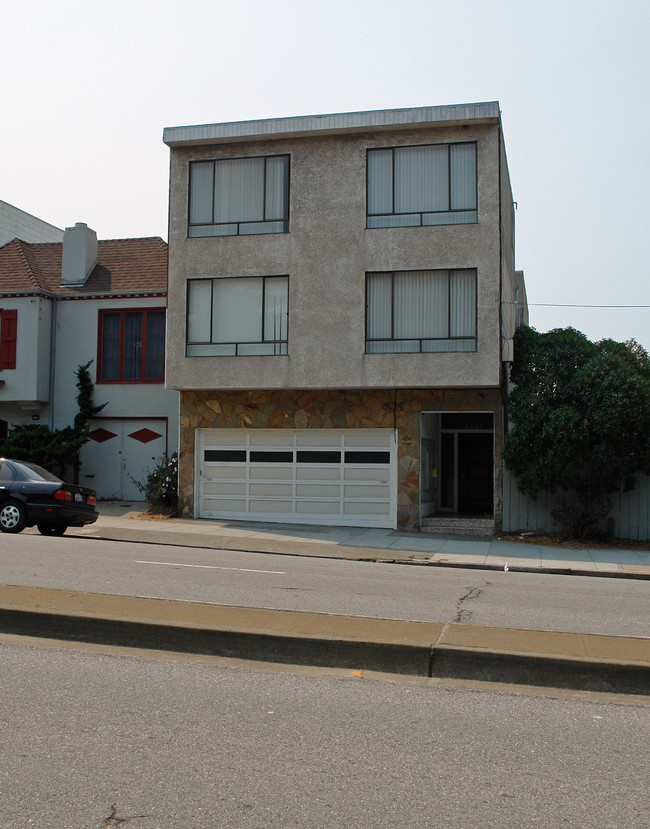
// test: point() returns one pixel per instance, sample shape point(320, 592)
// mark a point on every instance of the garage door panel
point(379, 474)
point(224, 439)
point(369, 508)
point(223, 505)
point(318, 437)
point(226, 488)
point(367, 437)
point(378, 491)
point(322, 473)
point(318, 491)
point(318, 476)
point(278, 473)
point(318, 507)
point(273, 490)
point(235, 472)
point(271, 506)
point(276, 437)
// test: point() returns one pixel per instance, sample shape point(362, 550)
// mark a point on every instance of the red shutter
point(8, 323)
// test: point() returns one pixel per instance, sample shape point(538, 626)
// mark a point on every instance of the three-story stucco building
point(342, 297)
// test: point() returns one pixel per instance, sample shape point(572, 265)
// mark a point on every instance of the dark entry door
point(475, 473)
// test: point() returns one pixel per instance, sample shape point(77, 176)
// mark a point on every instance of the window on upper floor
point(8, 331)
point(421, 311)
point(429, 184)
point(131, 346)
point(237, 316)
point(239, 196)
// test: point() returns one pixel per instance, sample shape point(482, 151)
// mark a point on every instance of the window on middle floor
point(131, 346)
point(237, 316)
point(429, 184)
point(239, 196)
point(421, 311)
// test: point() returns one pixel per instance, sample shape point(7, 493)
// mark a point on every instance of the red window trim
point(8, 330)
point(100, 333)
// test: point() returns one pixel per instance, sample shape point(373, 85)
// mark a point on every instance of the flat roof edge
point(335, 123)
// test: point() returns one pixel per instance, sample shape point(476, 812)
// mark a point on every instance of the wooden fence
point(629, 518)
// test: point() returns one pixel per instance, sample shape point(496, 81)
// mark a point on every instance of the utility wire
point(564, 305)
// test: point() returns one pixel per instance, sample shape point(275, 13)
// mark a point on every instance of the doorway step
point(457, 525)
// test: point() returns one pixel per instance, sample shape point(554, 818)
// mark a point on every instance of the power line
point(558, 305)
point(566, 305)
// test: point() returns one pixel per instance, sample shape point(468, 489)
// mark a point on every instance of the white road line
point(213, 567)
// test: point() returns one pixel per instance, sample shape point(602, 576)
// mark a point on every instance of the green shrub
point(160, 487)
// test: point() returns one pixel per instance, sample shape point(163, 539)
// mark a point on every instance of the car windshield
point(33, 472)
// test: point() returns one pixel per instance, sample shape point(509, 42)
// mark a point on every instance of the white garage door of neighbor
point(120, 450)
point(311, 476)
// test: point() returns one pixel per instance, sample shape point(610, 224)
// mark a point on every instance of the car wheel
point(13, 517)
point(52, 529)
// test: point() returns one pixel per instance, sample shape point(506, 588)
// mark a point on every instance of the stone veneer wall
point(333, 409)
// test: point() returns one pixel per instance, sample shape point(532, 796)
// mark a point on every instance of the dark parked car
point(31, 495)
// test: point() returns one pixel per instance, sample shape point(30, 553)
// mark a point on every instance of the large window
point(238, 196)
point(237, 316)
point(431, 184)
point(8, 325)
point(131, 346)
point(410, 311)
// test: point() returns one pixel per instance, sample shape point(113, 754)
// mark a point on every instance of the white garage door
point(311, 476)
point(119, 450)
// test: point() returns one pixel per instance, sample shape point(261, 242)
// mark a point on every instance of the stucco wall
point(327, 254)
point(16, 223)
point(29, 381)
point(508, 307)
point(334, 409)
point(123, 399)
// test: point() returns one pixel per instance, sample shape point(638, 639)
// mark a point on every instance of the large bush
point(580, 415)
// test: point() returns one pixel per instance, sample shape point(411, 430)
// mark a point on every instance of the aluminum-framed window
point(239, 196)
point(237, 316)
point(422, 185)
point(131, 345)
point(421, 311)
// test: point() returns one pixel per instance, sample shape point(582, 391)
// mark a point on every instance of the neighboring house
point(342, 295)
point(64, 304)
point(17, 224)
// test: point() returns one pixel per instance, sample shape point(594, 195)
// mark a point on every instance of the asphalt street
point(521, 600)
point(92, 741)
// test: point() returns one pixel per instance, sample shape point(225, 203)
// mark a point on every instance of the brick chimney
point(79, 254)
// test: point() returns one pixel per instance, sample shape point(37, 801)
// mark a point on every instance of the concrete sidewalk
point(126, 521)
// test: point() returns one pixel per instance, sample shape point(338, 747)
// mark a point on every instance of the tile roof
point(123, 266)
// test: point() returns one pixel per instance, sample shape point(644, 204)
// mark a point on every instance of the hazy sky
point(87, 88)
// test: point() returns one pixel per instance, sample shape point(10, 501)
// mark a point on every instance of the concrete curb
point(252, 544)
point(538, 658)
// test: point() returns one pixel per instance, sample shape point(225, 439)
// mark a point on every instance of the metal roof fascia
point(334, 123)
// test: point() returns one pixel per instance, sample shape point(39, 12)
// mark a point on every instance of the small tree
point(87, 409)
point(580, 414)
